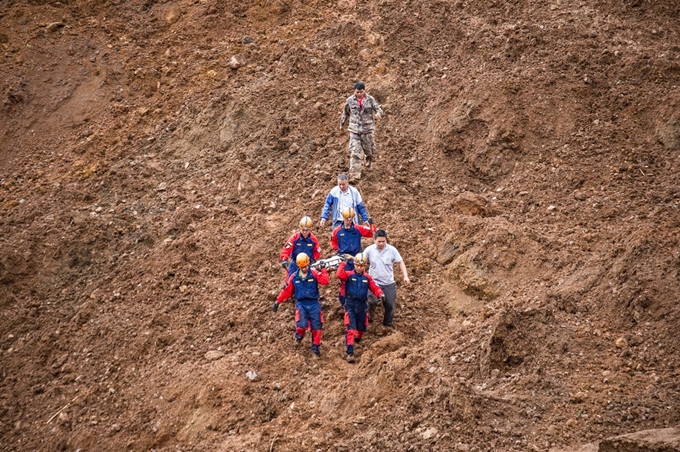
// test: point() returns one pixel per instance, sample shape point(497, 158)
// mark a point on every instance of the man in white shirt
point(340, 196)
point(382, 257)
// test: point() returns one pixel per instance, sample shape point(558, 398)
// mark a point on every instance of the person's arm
point(326, 209)
point(322, 276)
point(287, 291)
point(345, 114)
point(341, 272)
point(365, 231)
point(404, 273)
point(376, 108)
point(287, 248)
point(374, 288)
point(334, 239)
point(359, 203)
point(317, 247)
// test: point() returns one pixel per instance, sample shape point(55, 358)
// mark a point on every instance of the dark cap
point(359, 85)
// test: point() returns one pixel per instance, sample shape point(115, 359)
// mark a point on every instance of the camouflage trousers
point(359, 142)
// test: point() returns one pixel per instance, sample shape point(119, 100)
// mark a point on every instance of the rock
point(660, 440)
point(429, 433)
point(577, 397)
point(580, 196)
point(214, 355)
point(54, 26)
point(116, 427)
point(471, 278)
point(236, 61)
point(64, 418)
point(591, 447)
point(172, 14)
point(668, 134)
point(448, 251)
point(621, 342)
point(472, 204)
point(252, 375)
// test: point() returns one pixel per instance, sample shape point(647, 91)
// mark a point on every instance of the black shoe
point(315, 350)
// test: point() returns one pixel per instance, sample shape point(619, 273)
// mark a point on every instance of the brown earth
point(155, 155)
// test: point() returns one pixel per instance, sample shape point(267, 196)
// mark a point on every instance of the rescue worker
point(346, 238)
point(302, 241)
point(355, 284)
point(304, 285)
point(362, 110)
point(343, 195)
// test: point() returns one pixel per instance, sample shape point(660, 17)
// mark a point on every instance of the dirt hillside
point(155, 155)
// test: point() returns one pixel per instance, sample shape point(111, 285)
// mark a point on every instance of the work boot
point(354, 177)
point(298, 339)
point(369, 162)
point(315, 350)
point(350, 358)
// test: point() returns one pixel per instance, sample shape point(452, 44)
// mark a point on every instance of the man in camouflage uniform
point(360, 108)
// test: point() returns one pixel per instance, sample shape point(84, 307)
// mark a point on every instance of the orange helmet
point(305, 223)
point(302, 260)
point(361, 259)
point(347, 213)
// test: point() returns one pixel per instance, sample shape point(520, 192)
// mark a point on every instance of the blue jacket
point(348, 241)
point(332, 205)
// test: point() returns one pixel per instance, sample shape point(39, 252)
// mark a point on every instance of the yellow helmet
point(302, 260)
point(347, 213)
point(361, 259)
point(305, 223)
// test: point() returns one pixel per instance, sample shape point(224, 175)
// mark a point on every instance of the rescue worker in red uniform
point(346, 238)
point(304, 285)
point(300, 242)
point(355, 284)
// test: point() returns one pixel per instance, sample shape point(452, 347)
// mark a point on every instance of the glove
point(284, 264)
point(382, 298)
point(322, 222)
point(370, 221)
point(321, 265)
point(275, 306)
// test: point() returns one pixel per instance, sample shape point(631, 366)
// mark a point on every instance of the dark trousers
point(389, 304)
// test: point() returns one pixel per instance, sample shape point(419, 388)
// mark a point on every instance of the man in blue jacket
point(343, 195)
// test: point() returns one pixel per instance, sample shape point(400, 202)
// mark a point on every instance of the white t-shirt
point(381, 263)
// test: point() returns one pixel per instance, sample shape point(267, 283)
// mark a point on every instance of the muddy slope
point(155, 155)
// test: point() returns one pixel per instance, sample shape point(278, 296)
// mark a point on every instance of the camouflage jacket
point(360, 120)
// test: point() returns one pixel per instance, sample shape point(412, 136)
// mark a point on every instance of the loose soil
point(155, 156)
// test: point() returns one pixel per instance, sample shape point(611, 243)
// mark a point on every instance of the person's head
point(360, 263)
point(305, 226)
point(347, 216)
point(302, 261)
point(380, 239)
point(359, 89)
point(343, 182)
